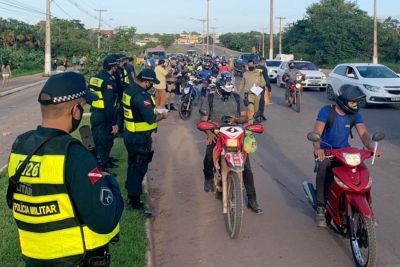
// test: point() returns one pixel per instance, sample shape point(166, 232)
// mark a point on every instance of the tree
point(166, 40)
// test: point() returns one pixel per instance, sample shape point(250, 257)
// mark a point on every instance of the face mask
point(251, 68)
point(149, 87)
point(75, 122)
point(291, 66)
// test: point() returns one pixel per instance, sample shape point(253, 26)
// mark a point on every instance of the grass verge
point(129, 251)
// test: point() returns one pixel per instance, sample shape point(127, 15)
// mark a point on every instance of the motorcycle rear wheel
point(362, 240)
point(234, 217)
point(185, 111)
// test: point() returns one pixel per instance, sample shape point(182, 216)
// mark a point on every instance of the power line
point(82, 9)
point(66, 13)
point(32, 10)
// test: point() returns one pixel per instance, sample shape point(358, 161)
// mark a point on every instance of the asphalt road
point(188, 227)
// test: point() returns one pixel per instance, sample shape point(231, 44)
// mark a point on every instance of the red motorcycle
point(348, 205)
point(295, 91)
point(229, 158)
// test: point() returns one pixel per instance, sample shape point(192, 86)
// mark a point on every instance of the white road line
point(21, 88)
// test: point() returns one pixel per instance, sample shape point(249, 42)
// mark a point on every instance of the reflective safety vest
point(95, 87)
point(126, 79)
point(49, 231)
point(134, 123)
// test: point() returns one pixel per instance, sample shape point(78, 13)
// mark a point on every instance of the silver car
point(380, 84)
point(272, 67)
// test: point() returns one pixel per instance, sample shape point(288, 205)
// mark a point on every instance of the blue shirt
point(204, 74)
point(338, 134)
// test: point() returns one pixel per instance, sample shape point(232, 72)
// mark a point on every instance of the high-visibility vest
point(95, 84)
point(133, 122)
point(126, 79)
point(49, 232)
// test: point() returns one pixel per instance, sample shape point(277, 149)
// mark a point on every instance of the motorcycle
point(188, 97)
point(295, 92)
point(229, 158)
point(348, 204)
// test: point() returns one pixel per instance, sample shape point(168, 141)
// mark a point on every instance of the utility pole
point(99, 33)
point(47, 51)
point(213, 46)
point(263, 41)
point(375, 56)
point(280, 33)
point(208, 27)
point(271, 29)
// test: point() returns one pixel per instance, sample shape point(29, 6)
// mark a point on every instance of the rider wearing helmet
point(226, 103)
point(290, 76)
point(334, 124)
point(224, 66)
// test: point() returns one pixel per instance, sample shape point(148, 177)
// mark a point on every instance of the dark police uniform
point(104, 114)
point(264, 71)
point(122, 81)
point(140, 122)
point(66, 210)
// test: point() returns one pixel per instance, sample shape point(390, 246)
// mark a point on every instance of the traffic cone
point(267, 98)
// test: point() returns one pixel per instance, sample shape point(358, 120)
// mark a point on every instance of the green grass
point(129, 251)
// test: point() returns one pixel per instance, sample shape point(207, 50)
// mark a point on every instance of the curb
point(150, 248)
point(3, 168)
point(17, 89)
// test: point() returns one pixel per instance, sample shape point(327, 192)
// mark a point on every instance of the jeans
point(248, 179)
point(324, 179)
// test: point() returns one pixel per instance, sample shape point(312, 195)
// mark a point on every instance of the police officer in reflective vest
point(104, 112)
point(122, 80)
point(66, 210)
point(140, 121)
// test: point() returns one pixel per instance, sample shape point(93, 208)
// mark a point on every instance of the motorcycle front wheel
point(234, 217)
point(185, 110)
point(297, 101)
point(362, 240)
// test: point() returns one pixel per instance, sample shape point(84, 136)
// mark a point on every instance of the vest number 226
point(32, 169)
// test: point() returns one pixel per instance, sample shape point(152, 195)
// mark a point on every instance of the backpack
point(331, 119)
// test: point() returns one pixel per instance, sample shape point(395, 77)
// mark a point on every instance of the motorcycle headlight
point(232, 143)
point(372, 88)
point(340, 183)
point(186, 90)
point(352, 159)
point(298, 85)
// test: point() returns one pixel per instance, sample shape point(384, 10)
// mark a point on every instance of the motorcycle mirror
point(314, 137)
point(203, 112)
point(378, 137)
point(256, 128)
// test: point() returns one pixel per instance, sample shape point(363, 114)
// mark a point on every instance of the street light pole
point(280, 33)
point(47, 56)
point(271, 29)
point(213, 46)
point(263, 41)
point(208, 27)
point(99, 33)
point(375, 56)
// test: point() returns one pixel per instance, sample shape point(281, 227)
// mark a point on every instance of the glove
point(246, 99)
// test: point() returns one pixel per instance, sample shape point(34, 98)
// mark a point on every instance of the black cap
point(65, 87)
point(262, 59)
point(148, 75)
point(110, 61)
point(130, 58)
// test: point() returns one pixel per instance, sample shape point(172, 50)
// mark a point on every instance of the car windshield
point(275, 63)
point(156, 54)
point(376, 72)
point(305, 66)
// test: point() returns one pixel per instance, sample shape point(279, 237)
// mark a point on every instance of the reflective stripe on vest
point(126, 79)
point(47, 224)
point(130, 122)
point(95, 87)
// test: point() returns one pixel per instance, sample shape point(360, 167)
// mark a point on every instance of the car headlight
point(323, 77)
point(340, 183)
point(271, 72)
point(352, 159)
point(372, 88)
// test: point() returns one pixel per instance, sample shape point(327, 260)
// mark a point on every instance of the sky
point(176, 16)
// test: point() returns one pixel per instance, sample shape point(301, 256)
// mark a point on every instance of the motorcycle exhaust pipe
point(310, 194)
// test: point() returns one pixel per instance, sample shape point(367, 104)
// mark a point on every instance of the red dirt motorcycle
point(295, 92)
point(348, 205)
point(229, 158)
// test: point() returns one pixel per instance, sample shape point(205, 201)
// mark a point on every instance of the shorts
point(6, 75)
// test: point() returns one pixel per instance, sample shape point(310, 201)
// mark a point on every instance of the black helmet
point(292, 62)
point(161, 61)
point(348, 92)
point(109, 62)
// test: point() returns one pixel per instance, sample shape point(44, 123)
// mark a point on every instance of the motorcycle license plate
point(395, 99)
point(232, 143)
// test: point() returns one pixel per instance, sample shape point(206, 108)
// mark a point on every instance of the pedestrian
point(250, 82)
point(161, 87)
point(65, 63)
point(66, 210)
point(262, 68)
point(130, 70)
point(103, 117)
point(55, 62)
point(82, 62)
point(140, 121)
point(6, 72)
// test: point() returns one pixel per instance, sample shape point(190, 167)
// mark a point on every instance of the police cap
point(110, 61)
point(148, 75)
point(65, 87)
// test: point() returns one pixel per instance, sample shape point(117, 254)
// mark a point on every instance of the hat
point(110, 61)
point(148, 75)
point(65, 87)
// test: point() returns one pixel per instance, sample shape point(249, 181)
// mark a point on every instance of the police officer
point(66, 210)
point(104, 111)
point(140, 121)
point(262, 68)
point(122, 80)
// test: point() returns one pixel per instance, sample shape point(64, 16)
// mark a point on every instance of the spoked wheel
point(362, 240)
point(234, 217)
point(185, 111)
point(297, 101)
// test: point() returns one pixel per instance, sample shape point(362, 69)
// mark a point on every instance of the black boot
point(172, 107)
point(253, 206)
point(209, 185)
point(136, 204)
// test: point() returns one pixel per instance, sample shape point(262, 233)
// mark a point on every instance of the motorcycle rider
point(205, 72)
point(334, 124)
point(221, 103)
point(290, 76)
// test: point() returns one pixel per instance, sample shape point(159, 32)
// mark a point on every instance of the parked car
point(273, 66)
point(380, 84)
point(314, 78)
point(284, 57)
point(242, 60)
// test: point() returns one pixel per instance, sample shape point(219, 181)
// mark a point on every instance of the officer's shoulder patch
point(146, 103)
point(109, 87)
point(95, 175)
point(106, 196)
